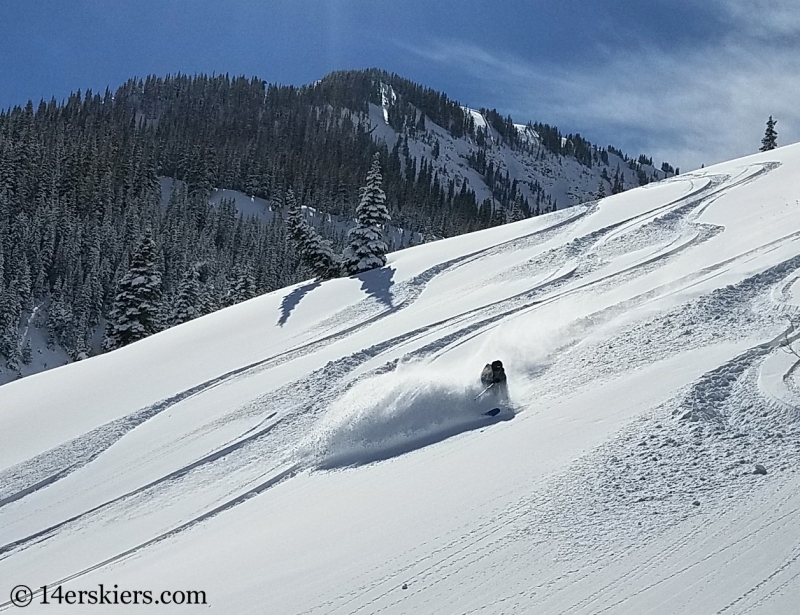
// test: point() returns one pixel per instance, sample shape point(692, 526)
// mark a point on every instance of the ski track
point(256, 490)
point(113, 431)
point(712, 405)
point(76, 452)
point(724, 379)
point(727, 373)
point(84, 449)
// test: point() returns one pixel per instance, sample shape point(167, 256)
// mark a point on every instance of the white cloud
point(762, 18)
point(693, 106)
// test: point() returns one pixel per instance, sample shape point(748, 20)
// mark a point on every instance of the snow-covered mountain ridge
point(319, 449)
point(545, 179)
point(75, 210)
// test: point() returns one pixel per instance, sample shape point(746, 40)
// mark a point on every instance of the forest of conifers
point(80, 191)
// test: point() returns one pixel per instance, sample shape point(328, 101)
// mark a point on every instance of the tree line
point(83, 214)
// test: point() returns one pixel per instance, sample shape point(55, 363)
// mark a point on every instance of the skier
point(493, 377)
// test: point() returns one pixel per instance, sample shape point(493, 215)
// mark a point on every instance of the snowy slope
point(319, 449)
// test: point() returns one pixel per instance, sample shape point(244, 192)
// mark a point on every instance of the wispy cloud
point(687, 106)
point(761, 18)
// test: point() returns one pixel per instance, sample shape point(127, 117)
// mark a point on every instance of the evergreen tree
point(315, 252)
point(321, 258)
point(498, 215)
point(26, 354)
point(770, 140)
point(516, 210)
point(244, 287)
point(367, 249)
point(135, 311)
point(619, 182)
point(187, 302)
point(209, 300)
point(601, 190)
point(9, 321)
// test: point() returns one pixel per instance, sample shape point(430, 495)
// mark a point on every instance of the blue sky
point(684, 81)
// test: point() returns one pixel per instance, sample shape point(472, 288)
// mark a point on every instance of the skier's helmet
point(497, 366)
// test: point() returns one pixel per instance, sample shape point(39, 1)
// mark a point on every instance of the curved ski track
point(327, 383)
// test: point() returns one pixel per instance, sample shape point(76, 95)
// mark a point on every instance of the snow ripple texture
point(597, 505)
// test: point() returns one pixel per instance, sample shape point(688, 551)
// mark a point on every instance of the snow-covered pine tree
point(26, 354)
point(59, 317)
point(294, 220)
point(134, 313)
point(601, 190)
point(367, 249)
point(499, 215)
point(619, 182)
point(186, 306)
point(314, 251)
point(209, 299)
point(516, 210)
point(244, 287)
point(9, 321)
point(770, 140)
point(320, 256)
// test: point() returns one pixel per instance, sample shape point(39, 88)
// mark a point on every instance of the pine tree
point(134, 314)
point(208, 300)
point(498, 216)
point(244, 287)
point(516, 211)
point(619, 182)
point(59, 317)
point(320, 256)
point(770, 140)
point(186, 306)
point(26, 354)
point(601, 190)
point(9, 322)
point(367, 249)
point(315, 252)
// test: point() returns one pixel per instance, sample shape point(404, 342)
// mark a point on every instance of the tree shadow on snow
point(291, 300)
point(378, 284)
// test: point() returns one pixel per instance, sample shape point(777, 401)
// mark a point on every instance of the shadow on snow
point(291, 300)
point(378, 284)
